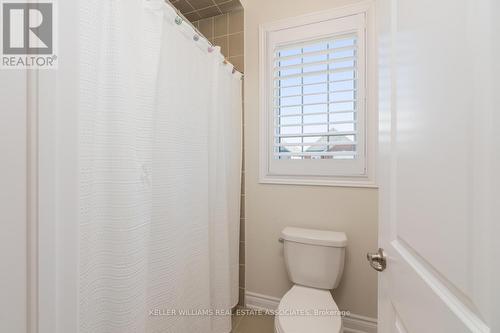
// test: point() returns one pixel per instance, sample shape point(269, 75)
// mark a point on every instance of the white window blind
point(314, 119)
point(315, 103)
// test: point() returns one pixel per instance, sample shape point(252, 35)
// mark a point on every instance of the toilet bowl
point(305, 309)
point(315, 262)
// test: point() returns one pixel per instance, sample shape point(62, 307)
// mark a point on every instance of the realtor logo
point(28, 34)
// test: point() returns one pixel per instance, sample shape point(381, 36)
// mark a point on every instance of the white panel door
point(437, 148)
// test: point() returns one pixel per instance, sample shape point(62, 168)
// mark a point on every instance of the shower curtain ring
point(178, 20)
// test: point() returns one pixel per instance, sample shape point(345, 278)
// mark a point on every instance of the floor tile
point(235, 322)
point(253, 324)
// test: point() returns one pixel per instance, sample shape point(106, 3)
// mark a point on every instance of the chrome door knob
point(377, 260)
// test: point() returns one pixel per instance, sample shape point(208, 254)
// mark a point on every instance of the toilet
point(315, 261)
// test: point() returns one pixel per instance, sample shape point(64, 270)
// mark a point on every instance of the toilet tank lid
point(314, 237)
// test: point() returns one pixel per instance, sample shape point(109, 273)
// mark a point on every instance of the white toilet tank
point(314, 258)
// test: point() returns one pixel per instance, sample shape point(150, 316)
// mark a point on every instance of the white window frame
point(306, 171)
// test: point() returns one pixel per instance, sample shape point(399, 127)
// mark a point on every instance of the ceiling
point(195, 10)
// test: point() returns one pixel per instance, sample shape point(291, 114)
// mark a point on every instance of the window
point(315, 99)
point(315, 109)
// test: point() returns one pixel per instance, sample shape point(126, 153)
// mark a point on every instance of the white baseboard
point(352, 323)
point(359, 324)
point(260, 302)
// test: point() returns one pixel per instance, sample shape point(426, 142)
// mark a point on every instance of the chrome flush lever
point(378, 260)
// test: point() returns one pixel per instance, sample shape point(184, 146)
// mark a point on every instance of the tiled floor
point(249, 323)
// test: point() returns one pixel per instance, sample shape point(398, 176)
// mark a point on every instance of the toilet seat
point(298, 312)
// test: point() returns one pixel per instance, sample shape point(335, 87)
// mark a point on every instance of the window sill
point(318, 181)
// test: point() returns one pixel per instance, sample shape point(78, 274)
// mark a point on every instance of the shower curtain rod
point(184, 19)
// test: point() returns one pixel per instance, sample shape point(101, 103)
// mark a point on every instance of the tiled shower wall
point(226, 31)
point(195, 10)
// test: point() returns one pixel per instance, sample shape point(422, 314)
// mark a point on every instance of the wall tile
point(242, 276)
point(194, 16)
point(242, 182)
point(242, 297)
point(242, 253)
point(206, 27)
point(209, 12)
point(183, 6)
point(220, 28)
point(238, 63)
point(235, 21)
point(236, 44)
point(242, 230)
point(229, 6)
point(243, 167)
point(200, 4)
point(242, 205)
point(206, 8)
point(223, 43)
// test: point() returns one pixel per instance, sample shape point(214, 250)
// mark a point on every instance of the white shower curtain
point(160, 161)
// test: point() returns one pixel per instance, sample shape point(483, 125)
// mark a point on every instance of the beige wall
point(269, 208)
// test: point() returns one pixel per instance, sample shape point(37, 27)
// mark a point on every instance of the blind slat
point(316, 124)
point(317, 144)
point(313, 104)
point(313, 84)
point(332, 153)
point(316, 134)
point(316, 53)
point(308, 74)
point(315, 94)
point(313, 113)
point(308, 43)
point(314, 63)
